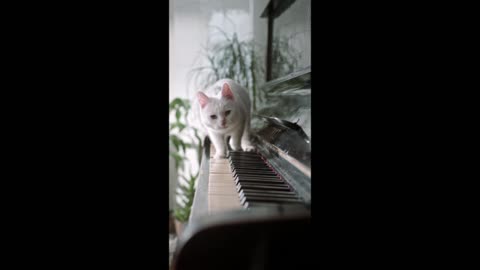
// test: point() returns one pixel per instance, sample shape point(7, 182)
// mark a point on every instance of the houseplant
point(240, 61)
point(186, 194)
point(183, 137)
point(229, 58)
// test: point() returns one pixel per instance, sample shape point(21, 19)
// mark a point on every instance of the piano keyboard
point(245, 180)
point(222, 194)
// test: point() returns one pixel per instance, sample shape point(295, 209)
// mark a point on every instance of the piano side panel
point(200, 201)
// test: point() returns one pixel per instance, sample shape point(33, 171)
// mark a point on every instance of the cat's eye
point(213, 116)
point(228, 112)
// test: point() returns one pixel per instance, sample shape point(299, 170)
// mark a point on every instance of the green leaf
point(178, 159)
point(176, 142)
point(181, 126)
point(174, 104)
point(177, 125)
point(178, 114)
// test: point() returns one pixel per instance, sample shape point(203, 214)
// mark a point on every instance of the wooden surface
point(200, 202)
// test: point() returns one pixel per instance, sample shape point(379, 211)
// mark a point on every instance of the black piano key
point(237, 157)
point(291, 195)
point(244, 155)
point(250, 197)
point(257, 177)
point(248, 205)
point(247, 192)
point(249, 163)
point(253, 175)
point(256, 164)
point(253, 178)
point(258, 169)
point(234, 157)
point(241, 186)
point(273, 200)
point(250, 166)
point(247, 198)
point(256, 158)
point(246, 159)
point(269, 199)
point(258, 174)
point(262, 187)
point(246, 176)
point(253, 170)
point(260, 163)
point(258, 181)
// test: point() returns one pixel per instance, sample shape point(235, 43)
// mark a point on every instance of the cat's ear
point(227, 92)
point(202, 99)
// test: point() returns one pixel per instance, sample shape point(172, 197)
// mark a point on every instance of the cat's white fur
point(230, 104)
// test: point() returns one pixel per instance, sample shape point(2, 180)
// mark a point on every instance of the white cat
point(225, 111)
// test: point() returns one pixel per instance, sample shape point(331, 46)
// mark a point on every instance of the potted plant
point(240, 61)
point(230, 58)
point(183, 137)
point(186, 194)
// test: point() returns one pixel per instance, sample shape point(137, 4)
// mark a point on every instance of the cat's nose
point(224, 122)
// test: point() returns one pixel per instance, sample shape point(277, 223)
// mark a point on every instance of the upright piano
point(252, 209)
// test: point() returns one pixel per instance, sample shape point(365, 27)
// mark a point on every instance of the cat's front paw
point(219, 156)
point(248, 148)
point(236, 148)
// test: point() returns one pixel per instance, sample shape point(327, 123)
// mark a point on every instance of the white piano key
point(216, 169)
point(222, 178)
point(222, 194)
point(225, 189)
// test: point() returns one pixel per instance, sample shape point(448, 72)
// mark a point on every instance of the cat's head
point(218, 113)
